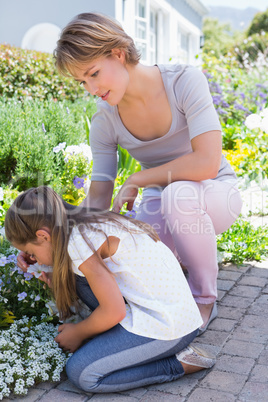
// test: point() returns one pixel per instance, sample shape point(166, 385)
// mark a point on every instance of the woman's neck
point(142, 80)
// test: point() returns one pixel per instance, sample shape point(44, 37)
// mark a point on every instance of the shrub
point(31, 74)
point(28, 133)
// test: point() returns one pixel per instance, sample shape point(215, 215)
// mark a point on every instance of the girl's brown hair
point(90, 36)
point(42, 207)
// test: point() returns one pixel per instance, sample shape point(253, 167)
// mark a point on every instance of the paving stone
point(229, 275)
point(244, 349)
point(180, 387)
point(254, 392)
point(216, 338)
point(135, 393)
point(260, 306)
point(68, 386)
point(259, 272)
point(209, 395)
point(250, 335)
point(233, 313)
point(153, 396)
point(235, 301)
point(259, 373)
point(245, 291)
point(263, 359)
point(221, 294)
point(222, 381)
point(265, 290)
point(47, 385)
point(56, 395)
point(261, 264)
point(224, 284)
point(252, 281)
point(234, 364)
point(222, 324)
point(255, 321)
point(232, 267)
point(32, 396)
point(112, 397)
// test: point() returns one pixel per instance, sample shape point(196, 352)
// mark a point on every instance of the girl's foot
point(194, 359)
point(208, 313)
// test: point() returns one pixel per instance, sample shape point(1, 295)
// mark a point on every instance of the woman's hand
point(127, 194)
point(24, 260)
point(69, 338)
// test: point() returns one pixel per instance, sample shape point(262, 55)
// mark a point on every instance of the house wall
point(17, 16)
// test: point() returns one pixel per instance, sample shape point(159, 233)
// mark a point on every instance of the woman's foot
point(194, 359)
point(208, 313)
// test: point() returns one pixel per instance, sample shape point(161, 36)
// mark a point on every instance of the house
point(163, 30)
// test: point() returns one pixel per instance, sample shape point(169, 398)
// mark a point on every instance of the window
point(182, 46)
point(153, 37)
point(141, 28)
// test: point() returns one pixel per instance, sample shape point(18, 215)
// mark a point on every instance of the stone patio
point(238, 336)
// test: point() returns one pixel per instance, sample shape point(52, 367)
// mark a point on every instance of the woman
point(164, 116)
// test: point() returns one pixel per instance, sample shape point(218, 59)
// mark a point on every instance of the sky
point(261, 5)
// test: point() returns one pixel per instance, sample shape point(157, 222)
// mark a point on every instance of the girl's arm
point(111, 309)
point(201, 164)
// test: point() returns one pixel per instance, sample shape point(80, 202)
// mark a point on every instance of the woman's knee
point(181, 198)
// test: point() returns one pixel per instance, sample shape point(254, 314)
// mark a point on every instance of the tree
point(259, 23)
point(219, 37)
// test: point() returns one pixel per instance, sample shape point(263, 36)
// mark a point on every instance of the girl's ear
point(43, 234)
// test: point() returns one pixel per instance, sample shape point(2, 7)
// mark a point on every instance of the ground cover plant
point(44, 139)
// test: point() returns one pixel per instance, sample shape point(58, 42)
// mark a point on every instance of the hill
point(239, 19)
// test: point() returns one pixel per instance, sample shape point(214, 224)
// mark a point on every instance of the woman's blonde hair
point(90, 36)
point(42, 207)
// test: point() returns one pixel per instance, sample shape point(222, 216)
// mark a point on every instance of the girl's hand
point(24, 260)
point(68, 338)
point(127, 193)
point(47, 278)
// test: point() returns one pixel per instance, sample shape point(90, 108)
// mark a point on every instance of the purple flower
point(67, 110)
point(43, 128)
point(225, 104)
point(12, 258)
point(216, 99)
point(131, 214)
point(78, 182)
point(21, 296)
point(3, 261)
point(27, 276)
point(37, 298)
point(243, 96)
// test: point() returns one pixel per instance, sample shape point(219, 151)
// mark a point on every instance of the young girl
point(164, 116)
point(144, 315)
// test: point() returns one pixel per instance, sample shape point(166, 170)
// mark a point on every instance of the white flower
point(1, 194)
point(86, 150)
point(253, 121)
point(59, 147)
point(264, 124)
point(37, 269)
point(73, 150)
point(264, 112)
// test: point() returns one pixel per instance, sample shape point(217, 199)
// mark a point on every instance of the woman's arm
point(111, 309)
point(201, 164)
point(99, 195)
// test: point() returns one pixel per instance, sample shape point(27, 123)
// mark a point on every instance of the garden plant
point(44, 139)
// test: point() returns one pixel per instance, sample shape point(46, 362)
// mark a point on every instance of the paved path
point(239, 337)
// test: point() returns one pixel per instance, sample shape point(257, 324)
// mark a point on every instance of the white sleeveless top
point(159, 301)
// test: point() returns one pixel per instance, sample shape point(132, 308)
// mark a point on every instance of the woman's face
point(105, 77)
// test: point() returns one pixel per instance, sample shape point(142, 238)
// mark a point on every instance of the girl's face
point(41, 250)
point(105, 77)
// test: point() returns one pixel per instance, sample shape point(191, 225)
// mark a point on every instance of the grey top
point(193, 113)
